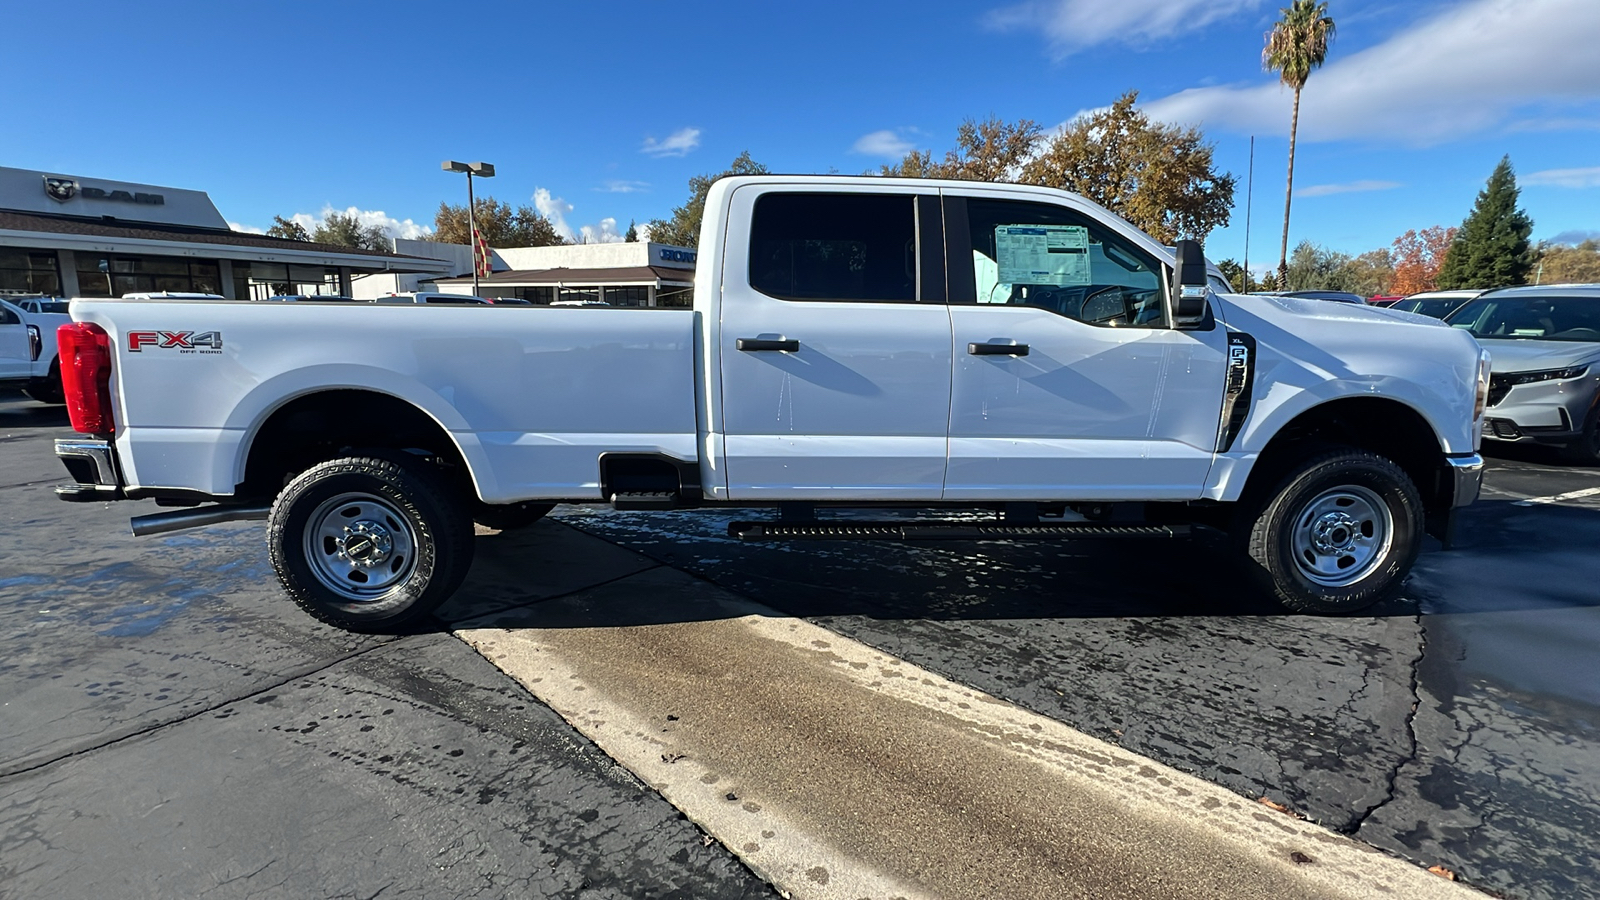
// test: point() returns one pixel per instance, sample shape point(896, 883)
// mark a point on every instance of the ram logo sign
point(205, 342)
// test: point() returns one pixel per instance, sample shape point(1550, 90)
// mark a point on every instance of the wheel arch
point(1390, 428)
point(315, 425)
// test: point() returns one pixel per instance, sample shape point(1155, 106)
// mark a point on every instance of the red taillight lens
point(85, 350)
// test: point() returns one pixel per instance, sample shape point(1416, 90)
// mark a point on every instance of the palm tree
point(1296, 46)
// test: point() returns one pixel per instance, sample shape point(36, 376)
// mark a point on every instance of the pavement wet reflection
point(1457, 726)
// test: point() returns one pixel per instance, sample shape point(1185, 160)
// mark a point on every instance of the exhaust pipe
point(161, 523)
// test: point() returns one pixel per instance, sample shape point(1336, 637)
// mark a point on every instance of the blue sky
point(603, 111)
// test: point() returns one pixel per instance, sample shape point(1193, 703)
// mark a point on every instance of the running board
point(913, 530)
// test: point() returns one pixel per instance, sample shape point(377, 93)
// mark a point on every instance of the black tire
point(48, 389)
point(506, 516)
point(1586, 449)
point(1337, 533)
point(368, 544)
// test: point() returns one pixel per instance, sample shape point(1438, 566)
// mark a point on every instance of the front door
point(834, 345)
point(1068, 382)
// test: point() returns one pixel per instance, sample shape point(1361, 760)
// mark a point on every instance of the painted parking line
point(838, 771)
point(1559, 498)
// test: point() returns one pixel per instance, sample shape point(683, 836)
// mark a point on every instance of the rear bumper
point(93, 467)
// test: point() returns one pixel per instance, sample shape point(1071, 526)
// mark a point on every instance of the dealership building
point(72, 236)
point(616, 274)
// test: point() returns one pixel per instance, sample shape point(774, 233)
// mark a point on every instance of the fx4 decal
point(205, 342)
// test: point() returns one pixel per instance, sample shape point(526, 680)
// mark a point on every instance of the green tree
point(1296, 46)
point(1159, 177)
point(632, 235)
point(499, 223)
point(683, 229)
point(1491, 249)
point(1236, 275)
point(288, 228)
point(345, 230)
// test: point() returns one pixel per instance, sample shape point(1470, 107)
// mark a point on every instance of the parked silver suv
point(1544, 381)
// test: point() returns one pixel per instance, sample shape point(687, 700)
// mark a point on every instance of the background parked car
point(42, 305)
point(1544, 384)
point(1435, 303)
point(431, 297)
point(313, 298)
point(28, 357)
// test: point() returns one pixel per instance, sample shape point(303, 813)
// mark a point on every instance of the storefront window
point(675, 297)
point(627, 296)
point(29, 272)
point(580, 295)
point(542, 296)
point(113, 276)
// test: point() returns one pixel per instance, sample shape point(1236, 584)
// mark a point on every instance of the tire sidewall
point(1272, 544)
point(404, 602)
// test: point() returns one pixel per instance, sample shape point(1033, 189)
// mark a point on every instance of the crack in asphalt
point(118, 737)
point(1410, 756)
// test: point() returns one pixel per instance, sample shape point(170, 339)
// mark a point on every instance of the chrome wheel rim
point(359, 546)
point(1342, 535)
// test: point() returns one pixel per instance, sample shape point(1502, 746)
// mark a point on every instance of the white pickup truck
point(854, 342)
point(28, 348)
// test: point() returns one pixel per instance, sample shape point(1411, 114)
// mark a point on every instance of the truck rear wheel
point(367, 544)
point(48, 389)
point(1336, 535)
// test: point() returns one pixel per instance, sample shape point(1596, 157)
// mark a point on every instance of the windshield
point(1531, 318)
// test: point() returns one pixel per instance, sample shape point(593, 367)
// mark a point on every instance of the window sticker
point(1042, 254)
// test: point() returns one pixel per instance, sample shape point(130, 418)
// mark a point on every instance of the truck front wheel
point(1337, 534)
point(368, 544)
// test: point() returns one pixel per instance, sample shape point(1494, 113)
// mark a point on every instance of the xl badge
point(60, 189)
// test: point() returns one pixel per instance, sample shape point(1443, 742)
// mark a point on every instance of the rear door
point(15, 358)
point(1068, 382)
point(835, 344)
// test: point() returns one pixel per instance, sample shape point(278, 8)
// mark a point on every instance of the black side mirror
point(1189, 285)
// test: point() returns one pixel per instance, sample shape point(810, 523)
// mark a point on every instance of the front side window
point(858, 247)
point(1035, 254)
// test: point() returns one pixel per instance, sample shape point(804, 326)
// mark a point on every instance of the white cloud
point(246, 229)
point(619, 186)
point(556, 210)
point(1074, 25)
point(394, 228)
point(678, 143)
point(1567, 178)
point(886, 143)
point(1349, 187)
point(1463, 71)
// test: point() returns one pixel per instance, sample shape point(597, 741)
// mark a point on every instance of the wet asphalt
point(170, 726)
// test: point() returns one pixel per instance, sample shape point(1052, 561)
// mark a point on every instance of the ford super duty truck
point(1017, 360)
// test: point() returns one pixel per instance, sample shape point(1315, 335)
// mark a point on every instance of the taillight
point(85, 350)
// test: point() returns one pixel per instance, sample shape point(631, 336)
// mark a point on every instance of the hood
point(1328, 310)
point(1532, 356)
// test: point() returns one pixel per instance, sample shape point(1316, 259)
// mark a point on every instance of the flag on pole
point(482, 262)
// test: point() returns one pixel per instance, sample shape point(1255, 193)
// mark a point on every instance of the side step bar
point(912, 530)
point(161, 523)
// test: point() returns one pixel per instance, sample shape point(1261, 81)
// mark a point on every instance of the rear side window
point(7, 317)
point(859, 247)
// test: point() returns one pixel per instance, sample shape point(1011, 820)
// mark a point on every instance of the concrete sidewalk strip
point(837, 771)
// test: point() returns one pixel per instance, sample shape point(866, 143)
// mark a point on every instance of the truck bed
point(531, 396)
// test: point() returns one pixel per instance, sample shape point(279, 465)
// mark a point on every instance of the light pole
point(482, 170)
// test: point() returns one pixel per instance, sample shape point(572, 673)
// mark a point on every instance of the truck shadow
point(1508, 558)
point(17, 410)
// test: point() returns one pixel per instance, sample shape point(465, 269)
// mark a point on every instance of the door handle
point(749, 344)
point(997, 349)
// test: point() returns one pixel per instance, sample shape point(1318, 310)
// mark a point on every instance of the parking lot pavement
point(170, 726)
point(1460, 727)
